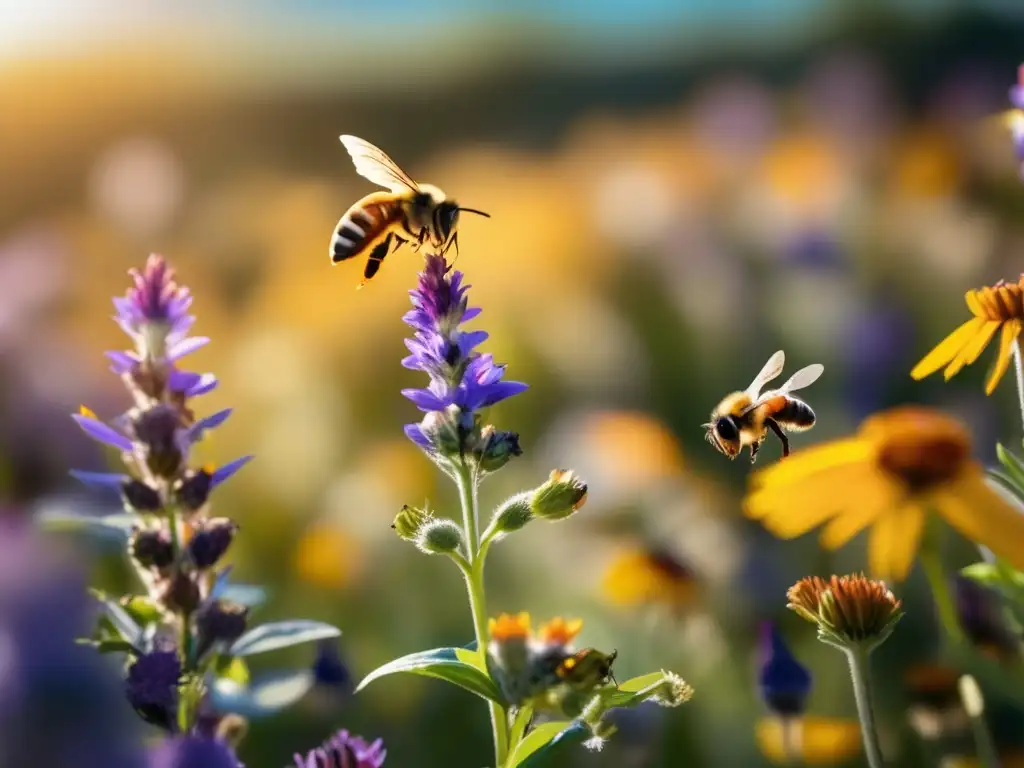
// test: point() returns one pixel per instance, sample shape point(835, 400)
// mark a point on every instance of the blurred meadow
point(677, 190)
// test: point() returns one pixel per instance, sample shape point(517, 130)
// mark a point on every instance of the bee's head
point(446, 218)
point(723, 433)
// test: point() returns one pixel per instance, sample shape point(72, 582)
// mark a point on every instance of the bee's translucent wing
point(802, 378)
point(770, 371)
point(371, 163)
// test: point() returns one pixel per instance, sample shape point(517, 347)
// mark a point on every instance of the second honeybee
point(744, 418)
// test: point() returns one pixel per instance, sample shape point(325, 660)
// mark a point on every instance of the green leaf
point(1013, 466)
point(999, 575)
point(540, 743)
point(281, 634)
point(143, 610)
point(123, 624)
point(444, 664)
point(116, 526)
point(265, 697)
point(522, 721)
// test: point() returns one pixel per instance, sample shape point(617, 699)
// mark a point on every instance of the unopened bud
point(448, 431)
point(673, 691)
point(194, 490)
point(439, 537)
point(563, 494)
point(497, 448)
point(140, 497)
point(513, 514)
point(151, 547)
point(179, 593)
point(211, 541)
point(409, 521)
point(158, 429)
point(220, 622)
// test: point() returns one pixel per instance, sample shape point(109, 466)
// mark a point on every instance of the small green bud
point(513, 514)
point(563, 494)
point(409, 521)
point(497, 448)
point(438, 537)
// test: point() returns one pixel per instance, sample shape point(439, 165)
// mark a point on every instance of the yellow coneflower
point(994, 307)
point(817, 740)
point(649, 576)
point(901, 464)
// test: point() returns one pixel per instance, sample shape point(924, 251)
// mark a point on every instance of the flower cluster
point(346, 751)
point(462, 381)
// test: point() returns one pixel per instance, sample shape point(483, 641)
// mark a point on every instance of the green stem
point(974, 706)
point(860, 675)
point(477, 601)
point(931, 562)
point(185, 713)
point(1018, 367)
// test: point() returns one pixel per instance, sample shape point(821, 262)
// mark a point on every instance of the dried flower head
point(1000, 306)
point(848, 610)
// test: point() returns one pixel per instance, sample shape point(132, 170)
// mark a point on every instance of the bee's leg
point(779, 434)
point(754, 448)
point(376, 259)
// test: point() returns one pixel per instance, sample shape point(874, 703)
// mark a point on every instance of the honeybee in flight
point(420, 214)
point(744, 418)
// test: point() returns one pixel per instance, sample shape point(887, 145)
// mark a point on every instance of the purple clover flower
point(344, 751)
point(462, 381)
point(785, 683)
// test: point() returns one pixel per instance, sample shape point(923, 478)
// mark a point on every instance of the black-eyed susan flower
point(999, 307)
point(649, 576)
point(901, 465)
point(817, 740)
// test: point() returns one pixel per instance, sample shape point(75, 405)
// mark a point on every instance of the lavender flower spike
point(345, 750)
point(462, 381)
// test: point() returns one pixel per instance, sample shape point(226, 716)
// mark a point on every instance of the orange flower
point(558, 631)
point(507, 626)
point(993, 307)
point(901, 465)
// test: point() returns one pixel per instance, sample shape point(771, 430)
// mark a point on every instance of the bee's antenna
point(478, 213)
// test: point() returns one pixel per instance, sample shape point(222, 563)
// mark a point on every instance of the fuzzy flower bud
point(848, 610)
point(179, 593)
point(513, 514)
point(439, 537)
point(211, 541)
point(151, 547)
point(193, 491)
point(409, 521)
point(496, 448)
point(157, 431)
point(220, 622)
point(562, 495)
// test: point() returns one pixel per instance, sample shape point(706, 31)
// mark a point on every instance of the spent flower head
point(849, 611)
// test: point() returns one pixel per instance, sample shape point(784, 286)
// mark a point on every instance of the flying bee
point(744, 418)
point(587, 668)
point(420, 214)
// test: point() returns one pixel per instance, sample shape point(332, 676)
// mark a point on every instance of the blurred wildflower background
point(677, 190)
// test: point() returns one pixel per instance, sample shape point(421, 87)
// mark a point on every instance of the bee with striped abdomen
point(420, 214)
point(744, 418)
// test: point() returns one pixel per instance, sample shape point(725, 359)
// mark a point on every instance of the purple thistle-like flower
point(152, 687)
point(462, 381)
point(344, 751)
point(785, 683)
point(193, 752)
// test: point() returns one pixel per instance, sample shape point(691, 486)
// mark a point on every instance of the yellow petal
point(973, 304)
point(811, 498)
point(983, 516)
point(972, 349)
point(1011, 329)
point(947, 349)
point(811, 460)
point(816, 740)
point(894, 540)
point(876, 496)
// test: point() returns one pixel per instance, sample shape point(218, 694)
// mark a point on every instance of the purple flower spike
point(785, 682)
point(154, 299)
point(459, 376)
point(345, 750)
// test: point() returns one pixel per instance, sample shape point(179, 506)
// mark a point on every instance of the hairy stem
point(860, 675)
point(477, 600)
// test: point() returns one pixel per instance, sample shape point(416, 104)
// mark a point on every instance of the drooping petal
point(207, 383)
point(425, 400)
point(223, 473)
point(182, 381)
point(947, 349)
point(415, 433)
point(983, 515)
point(1011, 330)
point(877, 495)
point(972, 349)
point(100, 432)
point(102, 481)
point(788, 511)
point(894, 540)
